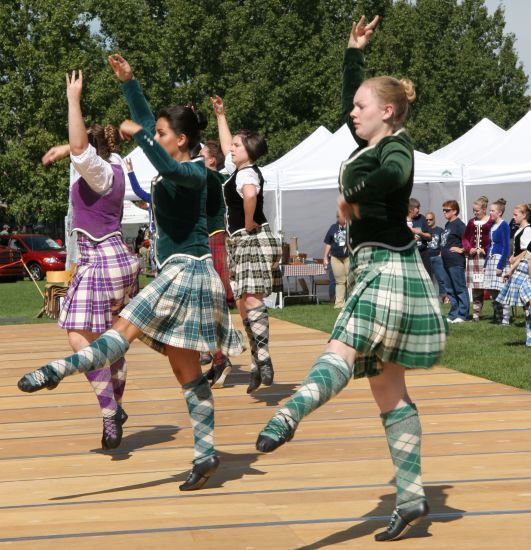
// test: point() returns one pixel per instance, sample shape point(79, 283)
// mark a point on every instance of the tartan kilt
point(216, 242)
point(185, 307)
point(517, 290)
point(493, 281)
point(105, 279)
point(475, 276)
point(392, 313)
point(254, 263)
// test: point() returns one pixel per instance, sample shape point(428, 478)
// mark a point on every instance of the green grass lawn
point(483, 349)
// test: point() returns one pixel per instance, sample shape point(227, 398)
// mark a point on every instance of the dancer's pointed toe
point(45, 377)
point(277, 432)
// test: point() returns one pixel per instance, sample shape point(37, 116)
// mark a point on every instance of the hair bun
point(502, 201)
point(202, 119)
point(409, 89)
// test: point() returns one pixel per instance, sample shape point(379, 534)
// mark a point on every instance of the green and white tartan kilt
point(185, 307)
point(254, 263)
point(392, 314)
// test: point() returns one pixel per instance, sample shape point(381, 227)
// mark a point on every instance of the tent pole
point(462, 189)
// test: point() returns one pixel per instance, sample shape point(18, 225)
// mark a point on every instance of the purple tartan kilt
point(105, 279)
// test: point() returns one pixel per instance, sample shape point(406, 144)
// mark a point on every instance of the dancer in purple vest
point(106, 275)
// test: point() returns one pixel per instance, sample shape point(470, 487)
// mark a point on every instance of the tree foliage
point(277, 64)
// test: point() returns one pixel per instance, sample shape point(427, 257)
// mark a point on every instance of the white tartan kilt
point(254, 263)
point(493, 281)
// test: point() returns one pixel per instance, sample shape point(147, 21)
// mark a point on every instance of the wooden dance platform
point(330, 487)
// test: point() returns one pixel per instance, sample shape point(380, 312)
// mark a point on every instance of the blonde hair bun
point(409, 89)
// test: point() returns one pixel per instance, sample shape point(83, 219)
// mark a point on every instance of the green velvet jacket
point(178, 196)
point(379, 178)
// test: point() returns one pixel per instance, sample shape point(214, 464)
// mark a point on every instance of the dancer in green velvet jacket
point(391, 319)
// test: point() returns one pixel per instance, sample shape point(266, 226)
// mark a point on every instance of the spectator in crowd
point(336, 252)
point(517, 290)
point(496, 261)
point(434, 249)
point(421, 232)
point(5, 230)
point(476, 241)
point(452, 253)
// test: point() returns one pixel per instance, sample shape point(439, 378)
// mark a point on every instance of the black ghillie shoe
point(277, 432)
point(221, 371)
point(112, 431)
point(200, 473)
point(403, 520)
point(45, 377)
point(266, 371)
point(254, 381)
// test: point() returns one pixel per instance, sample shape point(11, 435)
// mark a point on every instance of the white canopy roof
point(509, 161)
point(471, 145)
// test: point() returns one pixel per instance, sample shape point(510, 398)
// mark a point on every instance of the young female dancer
point(496, 260)
point(106, 275)
point(183, 311)
point(391, 319)
point(517, 290)
point(476, 241)
point(254, 252)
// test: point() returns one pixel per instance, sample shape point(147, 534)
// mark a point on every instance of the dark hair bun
point(202, 120)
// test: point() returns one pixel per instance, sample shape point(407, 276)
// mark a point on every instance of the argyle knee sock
point(328, 376)
point(105, 350)
point(252, 342)
point(403, 432)
point(119, 378)
point(200, 403)
point(101, 382)
point(258, 319)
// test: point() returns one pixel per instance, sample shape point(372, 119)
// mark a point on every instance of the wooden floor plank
point(331, 487)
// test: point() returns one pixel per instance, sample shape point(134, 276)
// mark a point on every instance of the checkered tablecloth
point(303, 270)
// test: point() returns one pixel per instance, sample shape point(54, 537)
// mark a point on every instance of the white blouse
point(94, 170)
point(245, 176)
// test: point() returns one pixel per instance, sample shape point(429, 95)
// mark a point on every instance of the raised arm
point(136, 101)
point(77, 132)
point(55, 153)
point(225, 137)
point(353, 68)
point(135, 184)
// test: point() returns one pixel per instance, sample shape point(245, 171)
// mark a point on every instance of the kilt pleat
point(217, 246)
point(493, 281)
point(105, 279)
point(185, 307)
point(254, 263)
point(475, 275)
point(517, 290)
point(392, 313)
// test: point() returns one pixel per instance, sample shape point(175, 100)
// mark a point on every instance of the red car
point(39, 252)
point(10, 267)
